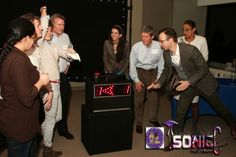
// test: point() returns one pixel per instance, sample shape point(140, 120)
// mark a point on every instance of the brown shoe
point(48, 152)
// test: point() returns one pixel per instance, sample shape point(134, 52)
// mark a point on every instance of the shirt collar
point(177, 51)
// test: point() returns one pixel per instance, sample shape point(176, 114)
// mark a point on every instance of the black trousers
point(2, 142)
point(214, 101)
point(65, 90)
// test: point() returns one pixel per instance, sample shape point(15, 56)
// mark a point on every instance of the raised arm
point(44, 19)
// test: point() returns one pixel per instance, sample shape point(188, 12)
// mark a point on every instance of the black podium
point(107, 117)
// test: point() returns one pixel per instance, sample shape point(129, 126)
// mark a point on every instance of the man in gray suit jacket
point(196, 78)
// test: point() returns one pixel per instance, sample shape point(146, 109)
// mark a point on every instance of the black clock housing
point(108, 94)
point(112, 90)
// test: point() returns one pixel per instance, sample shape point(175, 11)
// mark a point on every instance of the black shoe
point(155, 123)
point(169, 147)
point(66, 134)
point(139, 129)
point(233, 131)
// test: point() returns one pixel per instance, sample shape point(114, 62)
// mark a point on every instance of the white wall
point(157, 13)
point(150, 12)
point(137, 16)
point(188, 9)
point(166, 13)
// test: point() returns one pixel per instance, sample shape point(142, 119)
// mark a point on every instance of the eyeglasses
point(186, 30)
point(161, 41)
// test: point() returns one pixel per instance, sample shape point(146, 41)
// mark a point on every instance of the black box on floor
point(106, 131)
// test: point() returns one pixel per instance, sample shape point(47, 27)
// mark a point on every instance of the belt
point(149, 70)
point(54, 81)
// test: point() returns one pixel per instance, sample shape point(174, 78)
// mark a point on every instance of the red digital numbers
point(126, 89)
point(105, 90)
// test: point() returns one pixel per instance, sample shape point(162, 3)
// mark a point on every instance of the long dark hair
point(17, 30)
point(121, 43)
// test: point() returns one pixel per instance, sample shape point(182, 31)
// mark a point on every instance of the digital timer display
point(112, 90)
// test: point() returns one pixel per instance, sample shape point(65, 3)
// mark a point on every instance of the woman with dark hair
point(20, 83)
point(116, 52)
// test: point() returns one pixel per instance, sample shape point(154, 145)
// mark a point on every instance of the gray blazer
point(109, 58)
point(195, 67)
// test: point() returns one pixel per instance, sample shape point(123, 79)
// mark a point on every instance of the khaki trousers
point(152, 96)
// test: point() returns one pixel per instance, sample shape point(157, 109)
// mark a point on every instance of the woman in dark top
point(20, 83)
point(116, 52)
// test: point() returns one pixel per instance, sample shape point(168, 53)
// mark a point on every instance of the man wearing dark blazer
point(196, 78)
